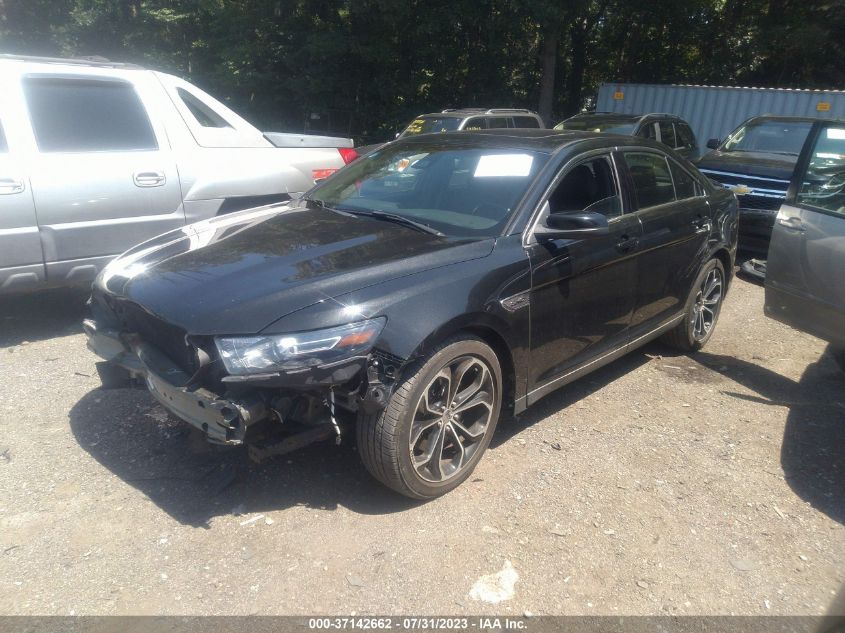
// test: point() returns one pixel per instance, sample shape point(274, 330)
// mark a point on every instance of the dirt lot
point(662, 484)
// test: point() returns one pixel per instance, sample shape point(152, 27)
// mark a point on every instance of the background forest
point(366, 67)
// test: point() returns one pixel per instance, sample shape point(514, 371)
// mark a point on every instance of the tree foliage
point(365, 67)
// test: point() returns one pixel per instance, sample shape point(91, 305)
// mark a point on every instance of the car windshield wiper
point(328, 207)
point(394, 217)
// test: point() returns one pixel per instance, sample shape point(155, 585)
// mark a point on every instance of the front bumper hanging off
point(223, 420)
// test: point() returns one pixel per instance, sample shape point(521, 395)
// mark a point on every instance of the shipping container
point(715, 111)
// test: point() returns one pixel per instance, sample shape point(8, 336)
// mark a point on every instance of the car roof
point(538, 140)
point(785, 119)
point(623, 116)
point(94, 61)
point(468, 112)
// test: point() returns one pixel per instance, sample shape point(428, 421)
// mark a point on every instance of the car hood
point(239, 273)
point(762, 164)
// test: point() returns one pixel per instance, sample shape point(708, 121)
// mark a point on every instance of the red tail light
point(348, 154)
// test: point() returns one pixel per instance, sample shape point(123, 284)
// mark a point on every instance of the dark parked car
point(420, 292)
point(756, 162)
point(805, 280)
point(669, 129)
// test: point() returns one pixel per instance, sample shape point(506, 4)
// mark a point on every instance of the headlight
point(243, 355)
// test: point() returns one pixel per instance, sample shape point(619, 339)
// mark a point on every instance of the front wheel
point(438, 422)
point(701, 310)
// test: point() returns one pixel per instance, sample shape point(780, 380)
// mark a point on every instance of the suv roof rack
point(503, 110)
point(90, 60)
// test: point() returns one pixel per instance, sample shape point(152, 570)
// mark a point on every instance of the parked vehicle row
point(418, 293)
point(96, 157)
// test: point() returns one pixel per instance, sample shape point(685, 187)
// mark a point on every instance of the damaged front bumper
point(223, 420)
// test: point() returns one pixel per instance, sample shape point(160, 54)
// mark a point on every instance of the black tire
point(685, 336)
point(384, 439)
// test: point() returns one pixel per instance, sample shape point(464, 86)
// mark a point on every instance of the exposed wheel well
point(725, 257)
point(498, 344)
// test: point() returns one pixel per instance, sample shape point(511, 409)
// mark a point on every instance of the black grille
point(166, 337)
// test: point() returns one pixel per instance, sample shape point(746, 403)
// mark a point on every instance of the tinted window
point(823, 185)
point(651, 179)
point(3, 146)
point(81, 115)
point(466, 191)
point(204, 115)
point(429, 125)
point(611, 126)
point(589, 186)
point(667, 133)
point(685, 136)
point(685, 185)
point(648, 131)
point(525, 121)
point(497, 122)
point(779, 137)
point(477, 123)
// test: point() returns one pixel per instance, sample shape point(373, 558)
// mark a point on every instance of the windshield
point(429, 125)
point(777, 137)
point(609, 126)
point(462, 191)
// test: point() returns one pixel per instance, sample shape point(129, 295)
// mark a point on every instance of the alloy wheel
point(451, 418)
point(706, 305)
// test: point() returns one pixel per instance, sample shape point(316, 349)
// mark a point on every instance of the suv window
point(651, 179)
point(525, 121)
point(667, 134)
point(87, 115)
point(685, 136)
point(204, 115)
point(4, 147)
point(497, 122)
point(589, 186)
point(648, 132)
point(685, 185)
point(823, 185)
point(476, 123)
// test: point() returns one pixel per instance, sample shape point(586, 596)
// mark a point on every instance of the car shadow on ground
point(813, 450)
point(42, 315)
point(192, 481)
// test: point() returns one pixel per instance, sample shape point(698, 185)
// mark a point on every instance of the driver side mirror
point(713, 143)
point(572, 226)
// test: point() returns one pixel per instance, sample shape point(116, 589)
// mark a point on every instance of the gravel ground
point(661, 484)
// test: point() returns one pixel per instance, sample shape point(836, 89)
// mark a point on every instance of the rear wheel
point(701, 311)
point(438, 422)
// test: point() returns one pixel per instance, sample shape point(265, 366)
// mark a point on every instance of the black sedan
point(418, 293)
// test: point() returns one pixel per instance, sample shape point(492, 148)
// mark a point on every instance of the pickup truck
point(96, 157)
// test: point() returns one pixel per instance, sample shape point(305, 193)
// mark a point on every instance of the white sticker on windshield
point(837, 133)
point(500, 165)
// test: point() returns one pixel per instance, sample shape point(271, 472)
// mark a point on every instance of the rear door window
point(525, 122)
point(497, 122)
point(87, 115)
point(651, 179)
point(478, 123)
point(667, 134)
point(648, 131)
point(684, 135)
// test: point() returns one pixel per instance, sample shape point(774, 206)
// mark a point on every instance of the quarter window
point(685, 185)
point(651, 179)
point(87, 115)
point(589, 186)
point(667, 134)
point(204, 115)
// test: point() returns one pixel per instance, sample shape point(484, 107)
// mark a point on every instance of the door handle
point(793, 223)
point(10, 186)
point(701, 224)
point(626, 244)
point(149, 178)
